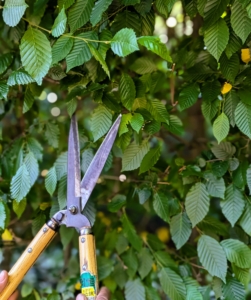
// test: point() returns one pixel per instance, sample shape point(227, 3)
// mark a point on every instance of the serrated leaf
point(242, 275)
point(126, 19)
point(19, 77)
point(72, 106)
point(233, 289)
point(51, 180)
point(61, 48)
point(240, 175)
point(28, 100)
point(160, 205)
point(181, 229)
point(221, 127)
point(217, 287)
point(209, 224)
point(130, 233)
point(237, 252)
point(216, 38)
point(66, 235)
point(127, 91)
point(130, 261)
point(134, 290)
point(20, 184)
point(101, 122)
point(35, 147)
point(137, 122)
point(224, 150)
point(158, 111)
point(5, 61)
point(245, 219)
point(215, 186)
point(154, 44)
point(234, 44)
point(4, 89)
point(143, 65)
point(240, 21)
point(124, 42)
point(18, 207)
point(52, 134)
point(13, 11)
point(59, 25)
point(172, 284)
point(143, 194)
point(210, 109)
point(243, 118)
point(212, 257)
point(210, 90)
point(164, 7)
point(213, 10)
point(193, 293)
point(117, 203)
point(249, 179)
point(90, 212)
point(100, 59)
point(145, 262)
point(79, 13)
point(62, 191)
point(188, 96)
point(37, 223)
point(124, 122)
point(197, 203)
point(231, 102)
point(233, 205)
point(35, 51)
point(191, 8)
point(175, 125)
point(230, 67)
point(32, 167)
point(133, 155)
point(2, 215)
point(149, 160)
point(104, 47)
point(65, 3)
point(80, 52)
point(99, 8)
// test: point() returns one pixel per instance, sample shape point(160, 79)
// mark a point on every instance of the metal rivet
point(29, 250)
point(73, 209)
point(82, 240)
point(84, 267)
point(45, 229)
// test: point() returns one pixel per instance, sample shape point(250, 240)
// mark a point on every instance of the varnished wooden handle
point(27, 259)
point(88, 264)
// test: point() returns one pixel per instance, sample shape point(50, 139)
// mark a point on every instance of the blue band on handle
point(88, 284)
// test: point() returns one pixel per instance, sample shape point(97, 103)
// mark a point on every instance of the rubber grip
point(88, 265)
point(27, 259)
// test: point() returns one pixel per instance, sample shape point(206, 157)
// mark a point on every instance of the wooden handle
point(88, 264)
point(27, 259)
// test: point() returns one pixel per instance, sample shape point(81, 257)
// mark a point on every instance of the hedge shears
point(78, 193)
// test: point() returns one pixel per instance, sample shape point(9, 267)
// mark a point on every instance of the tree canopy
point(172, 207)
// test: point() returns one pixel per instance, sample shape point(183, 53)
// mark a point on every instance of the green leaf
point(193, 293)
point(72, 106)
point(59, 25)
point(134, 290)
point(100, 59)
point(20, 184)
point(124, 122)
point(28, 100)
point(124, 42)
point(32, 167)
point(65, 3)
point(137, 122)
point(240, 175)
point(105, 267)
point(90, 212)
point(104, 47)
point(147, 23)
point(130, 261)
point(66, 235)
point(240, 21)
point(188, 96)
point(217, 287)
point(231, 102)
point(212, 257)
point(160, 205)
point(51, 180)
point(133, 155)
point(210, 90)
point(13, 11)
point(219, 168)
point(158, 111)
point(233, 289)
point(144, 194)
point(99, 8)
point(234, 44)
point(19, 77)
point(101, 121)
point(127, 91)
point(210, 109)
point(172, 284)
point(209, 225)
point(181, 229)
point(62, 190)
point(61, 48)
point(19, 207)
point(143, 65)
point(52, 134)
point(116, 203)
point(230, 67)
point(5, 61)
point(215, 186)
point(126, 19)
point(130, 233)
point(35, 51)
point(4, 89)
point(197, 203)
point(175, 125)
point(2, 215)
point(145, 262)
point(80, 52)
point(150, 160)
point(224, 150)
point(241, 274)
point(164, 7)
point(249, 179)
point(237, 252)
point(221, 127)
point(191, 8)
point(216, 38)
point(213, 11)
point(245, 219)
point(79, 13)
point(35, 147)
point(154, 44)
point(233, 205)
point(243, 118)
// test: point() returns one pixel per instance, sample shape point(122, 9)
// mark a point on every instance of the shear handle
point(28, 258)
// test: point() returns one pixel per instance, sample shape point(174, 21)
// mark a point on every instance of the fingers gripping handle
point(88, 264)
point(27, 259)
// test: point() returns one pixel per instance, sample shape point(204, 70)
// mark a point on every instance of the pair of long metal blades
point(78, 192)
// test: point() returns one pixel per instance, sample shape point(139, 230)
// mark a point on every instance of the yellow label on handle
point(88, 292)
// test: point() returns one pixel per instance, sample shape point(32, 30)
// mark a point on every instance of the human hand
point(104, 294)
point(3, 282)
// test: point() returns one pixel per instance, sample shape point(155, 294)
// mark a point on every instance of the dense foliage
point(171, 210)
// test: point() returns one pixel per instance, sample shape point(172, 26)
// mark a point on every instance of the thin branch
point(116, 178)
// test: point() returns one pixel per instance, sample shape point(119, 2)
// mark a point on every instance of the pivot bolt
point(73, 209)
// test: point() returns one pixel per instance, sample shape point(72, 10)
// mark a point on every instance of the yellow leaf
point(44, 205)
point(245, 55)
point(163, 234)
point(143, 235)
point(78, 286)
point(7, 236)
point(227, 87)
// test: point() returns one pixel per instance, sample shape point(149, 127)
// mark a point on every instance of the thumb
point(81, 297)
